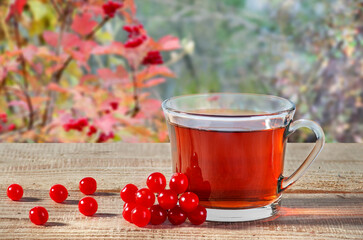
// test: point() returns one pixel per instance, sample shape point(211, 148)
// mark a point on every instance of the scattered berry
point(88, 185)
point(58, 193)
point(15, 192)
point(198, 215)
point(88, 206)
point(156, 182)
point(177, 216)
point(188, 201)
point(140, 216)
point(145, 197)
point(128, 193)
point(158, 215)
point(38, 215)
point(126, 213)
point(167, 199)
point(178, 183)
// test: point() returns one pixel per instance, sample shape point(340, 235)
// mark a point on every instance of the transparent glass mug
point(231, 146)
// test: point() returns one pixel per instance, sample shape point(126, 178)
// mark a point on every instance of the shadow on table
point(106, 194)
point(302, 212)
point(105, 215)
point(55, 224)
point(71, 202)
point(29, 199)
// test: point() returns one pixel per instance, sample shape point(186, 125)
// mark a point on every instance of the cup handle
point(285, 182)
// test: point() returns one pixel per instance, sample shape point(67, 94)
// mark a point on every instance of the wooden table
point(327, 203)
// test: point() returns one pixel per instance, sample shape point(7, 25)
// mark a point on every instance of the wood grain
point(327, 203)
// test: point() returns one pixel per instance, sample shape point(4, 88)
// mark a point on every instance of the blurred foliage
point(65, 76)
point(307, 51)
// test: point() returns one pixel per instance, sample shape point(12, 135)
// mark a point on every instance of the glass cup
point(231, 146)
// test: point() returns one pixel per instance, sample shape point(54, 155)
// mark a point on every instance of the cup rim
point(287, 110)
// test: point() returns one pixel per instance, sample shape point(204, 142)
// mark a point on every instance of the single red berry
point(177, 216)
point(58, 193)
point(188, 201)
point(145, 197)
point(15, 192)
point(126, 213)
point(198, 215)
point(178, 183)
point(88, 185)
point(4, 117)
point(156, 182)
point(11, 127)
point(114, 105)
point(128, 193)
point(167, 199)
point(88, 206)
point(158, 215)
point(38, 215)
point(140, 216)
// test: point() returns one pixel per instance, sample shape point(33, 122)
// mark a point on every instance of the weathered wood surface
point(327, 203)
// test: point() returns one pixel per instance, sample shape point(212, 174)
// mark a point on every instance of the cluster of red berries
point(76, 124)
point(92, 130)
point(80, 124)
point(58, 193)
point(3, 121)
point(153, 58)
point(135, 37)
point(139, 205)
point(111, 7)
point(104, 137)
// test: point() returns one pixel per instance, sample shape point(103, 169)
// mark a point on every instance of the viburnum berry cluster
point(58, 193)
point(136, 36)
point(153, 58)
point(140, 207)
point(3, 123)
point(111, 7)
point(76, 124)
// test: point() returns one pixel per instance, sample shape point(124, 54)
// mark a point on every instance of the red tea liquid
point(230, 169)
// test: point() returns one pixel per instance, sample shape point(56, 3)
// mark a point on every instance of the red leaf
point(18, 103)
point(153, 82)
point(113, 48)
point(3, 73)
point(29, 52)
point(16, 8)
point(57, 88)
point(83, 53)
point(69, 40)
point(83, 24)
point(105, 123)
point(150, 106)
point(110, 77)
point(168, 43)
point(131, 5)
point(153, 71)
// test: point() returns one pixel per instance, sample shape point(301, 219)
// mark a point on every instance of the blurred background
point(307, 51)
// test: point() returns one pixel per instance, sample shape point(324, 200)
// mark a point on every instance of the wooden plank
point(326, 203)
